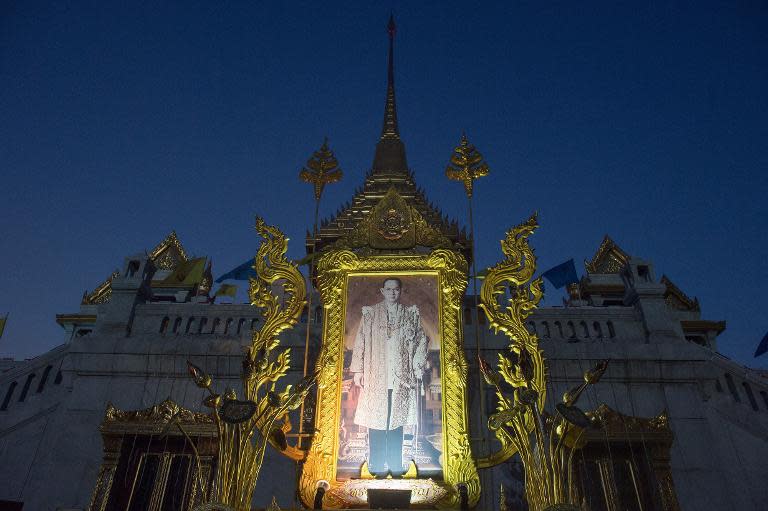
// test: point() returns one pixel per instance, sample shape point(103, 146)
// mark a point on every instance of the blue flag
point(562, 274)
point(762, 347)
point(242, 272)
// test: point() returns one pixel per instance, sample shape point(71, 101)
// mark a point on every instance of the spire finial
point(390, 130)
point(390, 151)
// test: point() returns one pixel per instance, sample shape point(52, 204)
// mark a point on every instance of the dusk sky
point(121, 122)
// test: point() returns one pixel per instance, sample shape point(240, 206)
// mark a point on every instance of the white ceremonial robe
point(369, 357)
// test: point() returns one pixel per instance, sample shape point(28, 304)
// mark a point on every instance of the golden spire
point(390, 130)
point(390, 150)
point(468, 165)
point(322, 168)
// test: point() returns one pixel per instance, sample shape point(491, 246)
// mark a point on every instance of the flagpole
point(321, 169)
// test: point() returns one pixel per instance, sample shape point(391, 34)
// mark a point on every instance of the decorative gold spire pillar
point(321, 169)
point(467, 165)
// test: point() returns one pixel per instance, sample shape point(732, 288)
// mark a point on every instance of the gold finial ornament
point(322, 168)
point(466, 165)
point(246, 425)
point(547, 454)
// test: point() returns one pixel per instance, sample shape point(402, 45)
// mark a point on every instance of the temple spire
point(390, 151)
point(389, 130)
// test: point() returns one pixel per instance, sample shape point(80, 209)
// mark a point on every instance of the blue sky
point(123, 122)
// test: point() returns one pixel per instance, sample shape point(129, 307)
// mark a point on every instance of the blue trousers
point(386, 447)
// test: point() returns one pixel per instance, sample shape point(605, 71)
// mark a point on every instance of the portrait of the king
point(391, 394)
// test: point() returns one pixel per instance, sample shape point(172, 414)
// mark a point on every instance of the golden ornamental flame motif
point(246, 425)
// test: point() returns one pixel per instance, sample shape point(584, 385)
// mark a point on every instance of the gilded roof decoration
point(166, 256)
point(614, 424)
point(676, 299)
point(161, 413)
point(393, 225)
point(609, 258)
point(102, 293)
point(702, 326)
point(168, 253)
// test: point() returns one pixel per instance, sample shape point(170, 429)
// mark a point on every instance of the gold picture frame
point(334, 270)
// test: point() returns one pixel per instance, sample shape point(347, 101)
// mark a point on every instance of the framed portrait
point(391, 409)
point(391, 393)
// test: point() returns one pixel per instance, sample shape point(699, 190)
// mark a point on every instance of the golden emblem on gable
point(393, 225)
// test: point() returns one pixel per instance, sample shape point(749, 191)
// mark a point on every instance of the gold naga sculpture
point(545, 443)
point(247, 424)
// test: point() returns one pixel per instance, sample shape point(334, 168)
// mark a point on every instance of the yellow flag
point(227, 290)
point(186, 273)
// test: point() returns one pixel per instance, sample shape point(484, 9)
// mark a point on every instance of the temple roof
point(167, 255)
point(609, 258)
point(389, 169)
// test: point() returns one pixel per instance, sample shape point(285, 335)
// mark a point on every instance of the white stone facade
point(51, 448)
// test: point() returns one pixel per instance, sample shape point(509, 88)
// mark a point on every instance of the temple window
point(531, 327)
point(545, 325)
point(25, 390)
point(611, 330)
point(240, 325)
point(8, 395)
point(750, 395)
point(133, 267)
point(164, 325)
point(584, 329)
point(190, 325)
point(598, 330)
point(59, 377)
point(559, 329)
point(216, 323)
point(571, 330)
point(732, 387)
point(201, 325)
point(718, 385)
point(43, 379)
point(176, 325)
point(253, 324)
point(644, 272)
point(227, 326)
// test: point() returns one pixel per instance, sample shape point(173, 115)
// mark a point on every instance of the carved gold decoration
point(466, 165)
point(321, 169)
point(165, 256)
point(334, 269)
point(102, 293)
point(516, 270)
point(244, 431)
point(158, 415)
point(676, 299)
point(547, 453)
point(393, 225)
point(622, 427)
point(168, 253)
point(117, 425)
point(609, 258)
point(654, 433)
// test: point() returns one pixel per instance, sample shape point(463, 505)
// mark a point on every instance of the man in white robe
point(388, 361)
